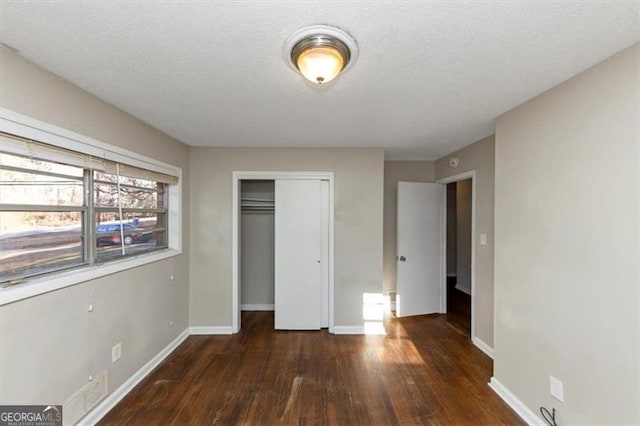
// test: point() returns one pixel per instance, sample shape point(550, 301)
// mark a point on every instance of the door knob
point(403, 259)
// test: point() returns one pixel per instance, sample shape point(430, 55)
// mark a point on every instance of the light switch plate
point(483, 239)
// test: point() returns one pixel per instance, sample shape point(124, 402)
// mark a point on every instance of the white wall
point(51, 343)
point(479, 156)
point(257, 259)
point(566, 263)
point(394, 172)
point(358, 223)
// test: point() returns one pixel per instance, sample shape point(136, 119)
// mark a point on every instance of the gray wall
point(479, 156)
point(463, 235)
point(257, 248)
point(567, 285)
point(451, 229)
point(358, 223)
point(50, 343)
point(394, 172)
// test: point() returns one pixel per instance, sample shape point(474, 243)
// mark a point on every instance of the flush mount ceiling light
point(320, 52)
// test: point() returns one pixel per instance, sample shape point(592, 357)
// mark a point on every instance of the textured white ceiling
point(431, 76)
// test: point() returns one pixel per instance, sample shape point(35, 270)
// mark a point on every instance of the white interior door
point(419, 248)
point(325, 253)
point(298, 254)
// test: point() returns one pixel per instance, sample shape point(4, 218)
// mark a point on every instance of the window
point(130, 215)
point(61, 209)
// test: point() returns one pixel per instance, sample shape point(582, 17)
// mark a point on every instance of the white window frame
point(30, 128)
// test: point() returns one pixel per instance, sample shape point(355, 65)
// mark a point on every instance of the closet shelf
point(248, 204)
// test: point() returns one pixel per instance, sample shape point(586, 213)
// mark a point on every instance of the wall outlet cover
point(116, 352)
point(556, 388)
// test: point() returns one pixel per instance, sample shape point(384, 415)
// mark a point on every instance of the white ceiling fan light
point(320, 52)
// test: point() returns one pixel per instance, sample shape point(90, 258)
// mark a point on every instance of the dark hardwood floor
point(458, 306)
point(424, 371)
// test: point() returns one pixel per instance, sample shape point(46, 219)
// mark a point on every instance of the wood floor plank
point(424, 371)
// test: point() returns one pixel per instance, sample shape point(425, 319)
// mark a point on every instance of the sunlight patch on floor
point(373, 313)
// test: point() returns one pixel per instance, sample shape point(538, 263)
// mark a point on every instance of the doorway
point(458, 253)
point(459, 263)
point(277, 208)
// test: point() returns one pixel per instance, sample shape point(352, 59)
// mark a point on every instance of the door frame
point(471, 174)
point(235, 239)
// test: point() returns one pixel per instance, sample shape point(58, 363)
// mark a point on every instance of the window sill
point(58, 280)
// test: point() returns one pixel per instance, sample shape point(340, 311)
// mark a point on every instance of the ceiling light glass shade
point(320, 52)
point(320, 64)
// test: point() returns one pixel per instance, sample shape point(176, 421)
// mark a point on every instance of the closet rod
point(260, 200)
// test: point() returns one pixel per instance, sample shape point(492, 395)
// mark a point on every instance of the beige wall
point(50, 343)
point(479, 156)
point(463, 235)
point(451, 229)
point(358, 223)
point(567, 284)
point(394, 172)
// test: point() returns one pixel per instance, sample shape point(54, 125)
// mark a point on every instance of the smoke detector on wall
point(453, 162)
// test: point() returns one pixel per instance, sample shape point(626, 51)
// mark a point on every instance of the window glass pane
point(39, 165)
point(108, 177)
point(31, 188)
point(142, 232)
point(32, 243)
point(106, 195)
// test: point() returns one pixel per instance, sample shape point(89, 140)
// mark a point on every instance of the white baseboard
point(512, 401)
point(257, 307)
point(348, 329)
point(483, 346)
point(392, 306)
point(463, 289)
point(211, 330)
point(100, 410)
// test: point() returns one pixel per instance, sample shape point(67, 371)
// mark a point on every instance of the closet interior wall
point(257, 255)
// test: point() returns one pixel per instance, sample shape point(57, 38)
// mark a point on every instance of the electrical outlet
point(116, 352)
point(556, 388)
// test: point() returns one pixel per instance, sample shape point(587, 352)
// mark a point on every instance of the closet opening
point(257, 245)
point(282, 259)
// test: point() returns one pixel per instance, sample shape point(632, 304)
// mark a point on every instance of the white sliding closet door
point(298, 254)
